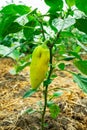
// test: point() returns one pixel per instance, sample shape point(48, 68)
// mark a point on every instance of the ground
point(73, 102)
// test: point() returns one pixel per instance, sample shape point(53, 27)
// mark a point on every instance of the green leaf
point(29, 28)
point(50, 103)
point(7, 17)
point(75, 54)
point(61, 66)
point(29, 111)
point(22, 9)
point(52, 26)
point(7, 50)
point(70, 3)
point(29, 93)
point(9, 10)
point(68, 58)
point(47, 82)
point(28, 33)
point(55, 4)
point(32, 21)
point(81, 81)
point(57, 94)
point(13, 28)
point(66, 34)
point(54, 110)
point(38, 31)
point(53, 76)
point(81, 25)
point(5, 23)
point(32, 12)
point(13, 9)
point(15, 54)
point(61, 24)
point(81, 65)
point(82, 5)
point(4, 50)
point(19, 68)
point(53, 15)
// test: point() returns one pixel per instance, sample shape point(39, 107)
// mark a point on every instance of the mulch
point(73, 102)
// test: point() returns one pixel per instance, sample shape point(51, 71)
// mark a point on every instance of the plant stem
point(41, 26)
point(50, 72)
point(45, 105)
point(42, 30)
point(46, 91)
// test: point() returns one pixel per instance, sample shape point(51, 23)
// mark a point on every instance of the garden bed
point(73, 102)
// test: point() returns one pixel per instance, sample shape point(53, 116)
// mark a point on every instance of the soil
point(73, 102)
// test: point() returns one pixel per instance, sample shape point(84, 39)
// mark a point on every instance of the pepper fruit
point(39, 65)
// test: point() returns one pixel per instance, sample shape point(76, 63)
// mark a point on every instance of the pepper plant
point(63, 26)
